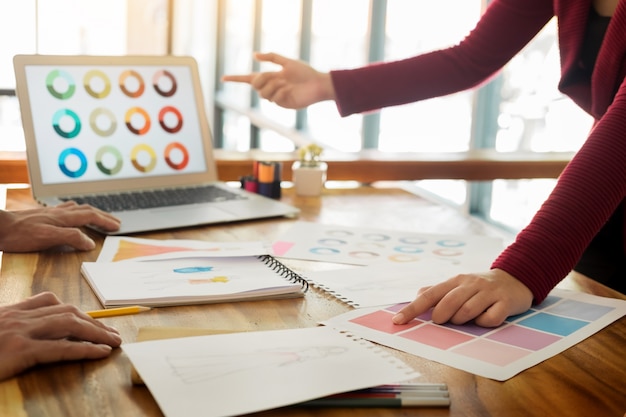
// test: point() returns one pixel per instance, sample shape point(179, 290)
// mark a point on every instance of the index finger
point(84, 214)
point(42, 299)
point(425, 300)
point(247, 78)
point(68, 322)
point(272, 57)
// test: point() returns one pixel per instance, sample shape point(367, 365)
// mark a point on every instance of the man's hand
point(42, 329)
point(47, 227)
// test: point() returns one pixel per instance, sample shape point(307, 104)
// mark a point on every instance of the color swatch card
point(361, 246)
point(123, 248)
point(564, 319)
point(239, 373)
point(382, 284)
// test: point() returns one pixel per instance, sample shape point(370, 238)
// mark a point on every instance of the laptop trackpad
point(169, 217)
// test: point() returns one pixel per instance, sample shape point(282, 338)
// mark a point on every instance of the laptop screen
point(118, 121)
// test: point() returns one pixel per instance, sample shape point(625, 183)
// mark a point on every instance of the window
point(533, 116)
point(523, 107)
point(343, 35)
point(65, 27)
point(280, 24)
point(21, 30)
point(441, 124)
point(338, 40)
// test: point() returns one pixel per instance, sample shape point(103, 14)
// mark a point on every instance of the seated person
point(42, 329)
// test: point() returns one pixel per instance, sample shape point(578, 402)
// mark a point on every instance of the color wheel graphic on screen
point(117, 122)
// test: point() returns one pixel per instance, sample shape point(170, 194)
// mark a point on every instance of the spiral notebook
point(239, 373)
point(192, 280)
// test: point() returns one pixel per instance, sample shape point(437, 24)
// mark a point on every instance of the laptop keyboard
point(157, 198)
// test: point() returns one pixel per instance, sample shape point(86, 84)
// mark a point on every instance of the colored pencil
point(400, 395)
point(377, 402)
point(426, 386)
point(404, 394)
point(121, 311)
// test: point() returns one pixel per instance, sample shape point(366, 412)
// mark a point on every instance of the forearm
point(588, 192)
point(505, 28)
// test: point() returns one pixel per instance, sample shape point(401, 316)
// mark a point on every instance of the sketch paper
point(564, 319)
point(382, 284)
point(186, 281)
point(122, 248)
point(363, 246)
point(238, 373)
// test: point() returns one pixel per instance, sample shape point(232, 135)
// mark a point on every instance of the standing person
point(581, 226)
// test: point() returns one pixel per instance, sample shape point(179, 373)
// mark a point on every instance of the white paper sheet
point(367, 246)
point(382, 284)
point(123, 248)
point(233, 374)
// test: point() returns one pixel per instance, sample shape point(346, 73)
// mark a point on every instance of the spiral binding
point(393, 360)
point(335, 294)
point(284, 271)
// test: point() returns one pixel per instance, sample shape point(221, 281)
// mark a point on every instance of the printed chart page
point(564, 319)
point(364, 246)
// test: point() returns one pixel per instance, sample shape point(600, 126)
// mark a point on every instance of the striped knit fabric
point(594, 183)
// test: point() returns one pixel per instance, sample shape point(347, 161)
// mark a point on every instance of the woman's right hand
point(488, 298)
point(295, 86)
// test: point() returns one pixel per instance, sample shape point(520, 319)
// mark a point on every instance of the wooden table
point(587, 380)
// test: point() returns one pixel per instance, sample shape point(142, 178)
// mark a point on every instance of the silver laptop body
point(101, 127)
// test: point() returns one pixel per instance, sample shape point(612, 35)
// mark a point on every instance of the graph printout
point(363, 246)
point(564, 319)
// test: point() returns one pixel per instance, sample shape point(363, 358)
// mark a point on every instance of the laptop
point(109, 130)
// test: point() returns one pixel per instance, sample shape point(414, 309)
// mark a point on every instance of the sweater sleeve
point(503, 30)
point(588, 191)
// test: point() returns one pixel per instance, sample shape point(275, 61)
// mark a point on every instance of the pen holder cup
point(309, 180)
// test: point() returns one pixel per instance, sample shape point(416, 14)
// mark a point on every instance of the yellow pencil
point(111, 312)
